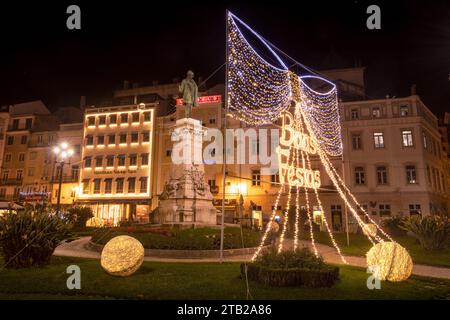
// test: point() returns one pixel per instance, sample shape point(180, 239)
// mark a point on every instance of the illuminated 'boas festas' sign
point(294, 138)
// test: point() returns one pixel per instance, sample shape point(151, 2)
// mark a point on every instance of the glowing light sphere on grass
point(390, 260)
point(122, 256)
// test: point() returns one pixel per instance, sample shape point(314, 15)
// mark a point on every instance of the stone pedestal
point(186, 198)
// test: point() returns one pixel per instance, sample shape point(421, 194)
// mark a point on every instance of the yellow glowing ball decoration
point(122, 256)
point(392, 260)
point(369, 229)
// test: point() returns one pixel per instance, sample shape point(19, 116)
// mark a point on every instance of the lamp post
point(62, 152)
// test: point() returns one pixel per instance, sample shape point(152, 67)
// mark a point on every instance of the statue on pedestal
point(188, 91)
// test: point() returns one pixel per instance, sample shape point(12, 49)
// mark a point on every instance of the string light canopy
point(260, 93)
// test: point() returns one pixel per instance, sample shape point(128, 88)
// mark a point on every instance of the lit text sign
point(204, 100)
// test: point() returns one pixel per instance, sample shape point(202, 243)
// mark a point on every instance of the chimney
point(82, 102)
point(126, 84)
point(413, 89)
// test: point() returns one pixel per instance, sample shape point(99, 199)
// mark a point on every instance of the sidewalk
point(77, 249)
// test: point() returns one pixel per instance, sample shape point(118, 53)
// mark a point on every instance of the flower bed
point(289, 268)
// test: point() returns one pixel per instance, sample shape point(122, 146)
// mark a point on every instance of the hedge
point(313, 278)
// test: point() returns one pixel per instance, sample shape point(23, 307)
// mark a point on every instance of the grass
point(183, 239)
point(196, 281)
point(359, 245)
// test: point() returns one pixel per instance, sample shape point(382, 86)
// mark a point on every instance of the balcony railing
point(11, 182)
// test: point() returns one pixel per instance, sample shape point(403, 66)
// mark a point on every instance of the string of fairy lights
point(260, 93)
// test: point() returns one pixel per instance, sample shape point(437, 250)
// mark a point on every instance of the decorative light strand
point(297, 206)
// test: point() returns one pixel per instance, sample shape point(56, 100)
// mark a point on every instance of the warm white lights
point(63, 151)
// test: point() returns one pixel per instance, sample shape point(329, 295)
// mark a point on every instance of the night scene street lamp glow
point(62, 152)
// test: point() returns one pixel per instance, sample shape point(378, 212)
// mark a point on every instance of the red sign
point(203, 100)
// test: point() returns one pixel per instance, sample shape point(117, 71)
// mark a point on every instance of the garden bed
point(291, 277)
point(165, 238)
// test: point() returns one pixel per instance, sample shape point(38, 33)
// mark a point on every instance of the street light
point(62, 152)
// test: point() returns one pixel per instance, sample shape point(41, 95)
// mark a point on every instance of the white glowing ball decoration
point(391, 260)
point(122, 256)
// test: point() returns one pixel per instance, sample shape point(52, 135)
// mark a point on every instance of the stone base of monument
point(186, 198)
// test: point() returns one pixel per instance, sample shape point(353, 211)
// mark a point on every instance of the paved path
point(77, 248)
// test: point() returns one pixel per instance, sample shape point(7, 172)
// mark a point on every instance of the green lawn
point(359, 245)
point(196, 281)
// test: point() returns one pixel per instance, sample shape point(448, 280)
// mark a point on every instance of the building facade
point(117, 153)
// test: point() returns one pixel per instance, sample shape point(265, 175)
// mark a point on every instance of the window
point(212, 120)
point(382, 175)
point(135, 117)
point(425, 141)
point(275, 178)
point(133, 160)
point(376, 112)
point(108, 185)
point(131, 185)
point(77, 149)
point(256, 178)
point(87, 162)
point(124, 118)
point(113, 119)
point(119, 185)
point(40, 138)
point(10, 140)
point(168, 152)
point(411, 174)
point(110, 161)
point(407, 138)
point(143, 184)
point(15, 124)
point(428, 175)
point(74, 173)
point(336, 216)
point(121, 160)
point(5, 175)
point(99, 161)
point(144, 159)
point(404, 110)
point(102, 120)
point(28, 123)
point(91, 121)
point(385, 210)
point(378, 140)
point(21, 157)
point(355, 114)
point(212, 183)
point(146, 136)
point(23, 139)
point(96, 185)
point(147, 116)
point(414, 209)
point(134, 137)
point(85, 185)
point(111, 139)
point(100, 140)
point(89, 140)
point(30, 172)
point(2, 192)
point(356, 142)
point(8, 157)
point(360, 177)
point(19, 174)
point(123, 138)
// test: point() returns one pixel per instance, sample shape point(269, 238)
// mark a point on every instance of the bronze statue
point(188, 91)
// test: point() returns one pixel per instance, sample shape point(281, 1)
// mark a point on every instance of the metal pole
point(224, 152)
point(58, 203)
point(345, 206)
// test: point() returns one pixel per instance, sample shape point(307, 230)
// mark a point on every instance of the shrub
point(433, 232)
point(78, 216)
point(30, 238)
point(291, 268)
point(393, 226)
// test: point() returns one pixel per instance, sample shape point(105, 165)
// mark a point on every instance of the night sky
point(146, 41)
